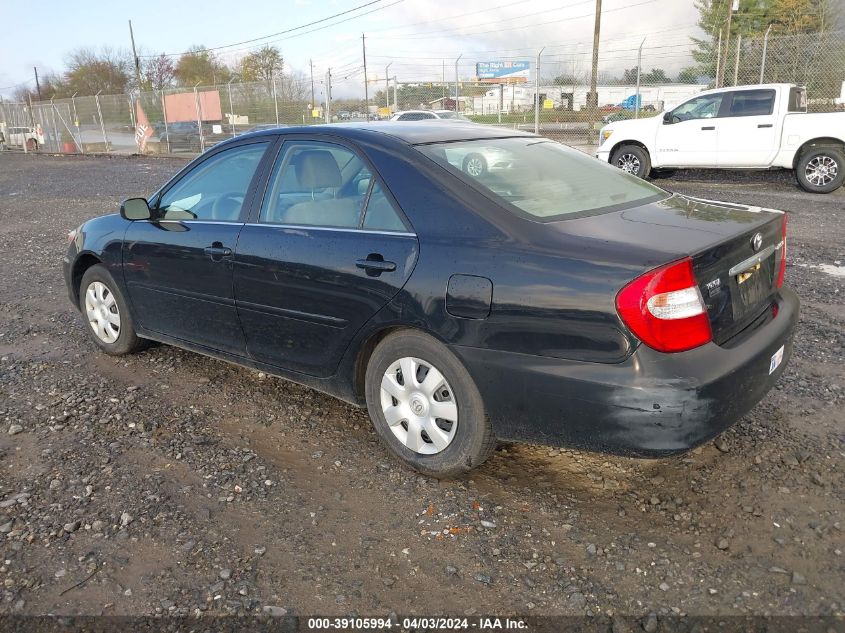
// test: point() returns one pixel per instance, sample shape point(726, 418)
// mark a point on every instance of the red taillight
point(664, 308)
point(782, 266)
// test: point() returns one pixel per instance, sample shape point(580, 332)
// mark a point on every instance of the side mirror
point(667, 117)
point(135, 209)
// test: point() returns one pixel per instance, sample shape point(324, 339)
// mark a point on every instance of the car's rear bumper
point(650, 405)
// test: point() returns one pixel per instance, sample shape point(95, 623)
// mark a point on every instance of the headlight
point(605, 134)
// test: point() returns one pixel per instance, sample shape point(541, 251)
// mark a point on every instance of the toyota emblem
point(756, 242)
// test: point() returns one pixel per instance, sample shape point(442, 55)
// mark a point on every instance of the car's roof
point(412, 132)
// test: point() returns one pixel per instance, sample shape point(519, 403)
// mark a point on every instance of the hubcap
point(419, 405)
point(475, 167)
point(822, 170)
point(628, 163)
point(102, 312)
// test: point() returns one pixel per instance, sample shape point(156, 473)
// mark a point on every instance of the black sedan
point(558, 300)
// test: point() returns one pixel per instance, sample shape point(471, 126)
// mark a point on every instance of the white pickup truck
point(744, 127)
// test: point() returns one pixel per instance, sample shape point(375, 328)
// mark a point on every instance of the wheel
point(475, 165)
point(426, 407)
point(632, 159)
point(31, 145)
point(106, 314)
point(821, 169)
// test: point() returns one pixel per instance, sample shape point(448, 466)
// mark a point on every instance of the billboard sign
point(503, 72)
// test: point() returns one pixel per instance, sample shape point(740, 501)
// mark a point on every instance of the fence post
point(457, 89)
point(501, 101)
point(537, 94)
point(164, 112)
point(199, 117)
point(736, 65)
point(231, 107)
point(639, 70)
point(76, 124)
point(395, 98)
point(329, 95)
point(765, 47)
point(59, 148)
point(275, 99)
point(102, 123)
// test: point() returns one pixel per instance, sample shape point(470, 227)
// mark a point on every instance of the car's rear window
point(540, 179)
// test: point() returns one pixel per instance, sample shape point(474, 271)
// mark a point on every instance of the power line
point(290, 30)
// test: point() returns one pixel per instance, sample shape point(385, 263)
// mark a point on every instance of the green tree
point(199, 65)
point(91, 71)
point(261, 65)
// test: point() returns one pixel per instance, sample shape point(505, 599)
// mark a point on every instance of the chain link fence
point(557, 105)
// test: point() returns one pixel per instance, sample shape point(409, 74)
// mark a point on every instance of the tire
point(462, 443)
point(475, 165)
point(632, 159)
point(100, 297)
point(821, 169)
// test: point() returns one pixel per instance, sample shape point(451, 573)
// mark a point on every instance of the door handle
point(709, 127)
point(375, 265)
point(764, 125)
point(217, 251)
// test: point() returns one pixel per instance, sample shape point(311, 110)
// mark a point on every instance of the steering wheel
point(219, 211)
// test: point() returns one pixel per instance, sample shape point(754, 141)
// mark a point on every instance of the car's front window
point(705, 107)
point(541, 179)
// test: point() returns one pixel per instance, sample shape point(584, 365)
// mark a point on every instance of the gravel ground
point(167, 482)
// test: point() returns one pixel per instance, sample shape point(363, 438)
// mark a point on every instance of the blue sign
point(503, 70)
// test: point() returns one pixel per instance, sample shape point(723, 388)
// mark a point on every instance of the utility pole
point(135, 58)
point(723, 61)
point(311, 64)
point(593, 96)
point(639, 70)
point(387, 86)
point(37, 83)
point(457, 90)
point(366, 87)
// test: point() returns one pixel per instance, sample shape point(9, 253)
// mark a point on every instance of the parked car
point(16, 136)
point(423, 115)
point(559, 301)
point(744, 127)
point(185, 135)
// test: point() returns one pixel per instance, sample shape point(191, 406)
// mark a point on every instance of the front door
point(748, 131)
point(328, 250)
point(689, 138)
point(178, 266)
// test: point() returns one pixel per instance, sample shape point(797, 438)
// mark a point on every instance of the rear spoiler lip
point(735, 205)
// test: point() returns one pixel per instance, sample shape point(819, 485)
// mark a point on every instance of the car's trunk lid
point(737, 280)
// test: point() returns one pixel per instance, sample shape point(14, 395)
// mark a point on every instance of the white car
point(743, 127)
point(423, 115)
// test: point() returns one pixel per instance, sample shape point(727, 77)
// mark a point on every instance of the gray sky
point(416, 35)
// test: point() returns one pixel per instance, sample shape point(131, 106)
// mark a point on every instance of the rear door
point(178, 267)
point(748, 131)
point(327, 250)
point(690, 137)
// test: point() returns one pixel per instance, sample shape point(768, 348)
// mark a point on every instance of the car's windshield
point(541, 179)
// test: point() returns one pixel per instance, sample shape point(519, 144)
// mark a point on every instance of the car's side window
point(380, 214)
point(704, 107)
point(216, 188)
point(752, 103)
point(314, 183)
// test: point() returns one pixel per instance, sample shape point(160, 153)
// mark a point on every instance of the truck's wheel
point(632, 159)
point(821, 169)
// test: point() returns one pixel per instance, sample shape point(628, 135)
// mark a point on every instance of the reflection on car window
point(316, 184)
point(704, 107)
point(752, 103)
point(540, 179)
point(380, 214)
point(216, 188)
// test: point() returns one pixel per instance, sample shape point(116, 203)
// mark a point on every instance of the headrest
point(317, 169)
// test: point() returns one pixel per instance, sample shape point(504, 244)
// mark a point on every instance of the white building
point(520, 97)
